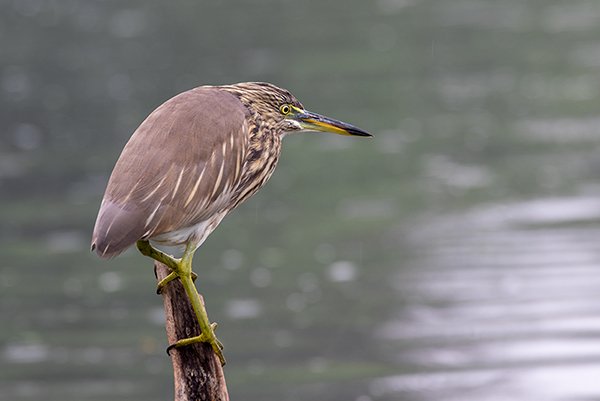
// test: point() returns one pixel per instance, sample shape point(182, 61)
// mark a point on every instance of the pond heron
point(191, 161)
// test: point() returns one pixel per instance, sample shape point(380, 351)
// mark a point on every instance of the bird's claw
point(209, 338)
point(170, 277)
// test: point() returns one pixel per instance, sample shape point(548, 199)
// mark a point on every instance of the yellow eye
point(285, 109)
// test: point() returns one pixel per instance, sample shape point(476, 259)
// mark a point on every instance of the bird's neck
point(262, 155)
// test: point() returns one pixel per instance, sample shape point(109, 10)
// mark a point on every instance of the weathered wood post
point(197, 372)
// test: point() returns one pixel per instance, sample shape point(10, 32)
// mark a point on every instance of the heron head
point(280, 108)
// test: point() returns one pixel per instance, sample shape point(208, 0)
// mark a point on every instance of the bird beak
point(310, 121)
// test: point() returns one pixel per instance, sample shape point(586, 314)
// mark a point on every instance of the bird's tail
point(116, 230)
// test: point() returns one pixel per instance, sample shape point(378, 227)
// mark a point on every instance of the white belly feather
point(195, 234)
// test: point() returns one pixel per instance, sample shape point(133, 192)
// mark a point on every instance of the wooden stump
point(198, 374)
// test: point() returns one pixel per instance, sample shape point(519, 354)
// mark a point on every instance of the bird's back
point(178, 169)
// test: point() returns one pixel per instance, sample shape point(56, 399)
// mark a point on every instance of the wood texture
point(197, 372)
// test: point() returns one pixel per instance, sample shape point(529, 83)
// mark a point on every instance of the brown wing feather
point(174, 170)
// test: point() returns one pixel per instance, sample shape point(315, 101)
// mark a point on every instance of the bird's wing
point(176, 170)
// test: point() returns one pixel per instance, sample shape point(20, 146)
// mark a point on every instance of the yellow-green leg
point(182, 268)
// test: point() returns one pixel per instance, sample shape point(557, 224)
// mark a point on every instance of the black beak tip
point(359, 132)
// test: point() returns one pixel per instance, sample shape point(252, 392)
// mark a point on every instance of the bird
point(193, 160)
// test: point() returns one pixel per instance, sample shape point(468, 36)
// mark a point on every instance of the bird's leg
point(182, 268)
point(207, 329)
point(147, 249)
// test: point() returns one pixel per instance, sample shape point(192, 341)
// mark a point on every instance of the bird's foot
point(171, 262)
point(209, 338)
point(182, 269)
point(170, 277)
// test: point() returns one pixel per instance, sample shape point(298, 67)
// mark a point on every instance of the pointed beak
point(315, 122)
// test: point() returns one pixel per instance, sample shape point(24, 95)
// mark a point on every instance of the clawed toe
point(209, 338)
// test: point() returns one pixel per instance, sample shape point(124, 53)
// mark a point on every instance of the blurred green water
point(330, 283)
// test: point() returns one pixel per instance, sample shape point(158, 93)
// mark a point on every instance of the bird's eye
point(285, 109)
